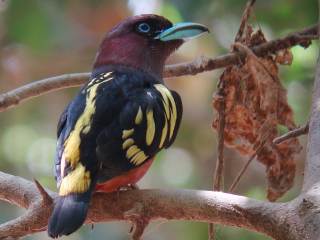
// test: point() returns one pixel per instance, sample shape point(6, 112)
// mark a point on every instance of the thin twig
point(257, 151)
point(201, 64)
point(292, 134)
point(244, 19)
point(218, 173)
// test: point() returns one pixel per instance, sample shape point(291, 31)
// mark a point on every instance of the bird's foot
point(128, 187)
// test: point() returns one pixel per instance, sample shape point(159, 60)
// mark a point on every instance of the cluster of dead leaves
point(255, 104)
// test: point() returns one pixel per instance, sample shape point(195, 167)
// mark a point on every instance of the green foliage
point(28, 23)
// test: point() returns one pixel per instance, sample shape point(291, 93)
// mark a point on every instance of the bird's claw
point(128, 187)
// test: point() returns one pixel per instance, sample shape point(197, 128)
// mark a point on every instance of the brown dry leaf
point(284, 57)
point(256, 103)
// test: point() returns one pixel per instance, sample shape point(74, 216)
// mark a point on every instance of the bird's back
point(131, 116)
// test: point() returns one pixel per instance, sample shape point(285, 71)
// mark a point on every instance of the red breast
point(130, 177)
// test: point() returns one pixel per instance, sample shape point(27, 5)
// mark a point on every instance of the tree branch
point(41, 87)
point(218, 173)
point(312, 164)
point(292, 134)
point(219, 168)
point(201, 64)
point(195, 205)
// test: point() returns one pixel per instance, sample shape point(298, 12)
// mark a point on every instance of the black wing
point(114, 124)
point(60, 131)
point(148, 122)
point(75, 154)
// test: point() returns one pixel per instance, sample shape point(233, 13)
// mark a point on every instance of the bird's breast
point(130, 177)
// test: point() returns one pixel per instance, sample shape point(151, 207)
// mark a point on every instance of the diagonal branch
point(195, 205)
point(26, 194)
point(292, 134)
point(41, 87)
point(201, 64)
point(244, 19)
point(219, 168)
point(258, 148)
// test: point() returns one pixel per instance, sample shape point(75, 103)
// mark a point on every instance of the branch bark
point(292, 134)
point(312, 165)
point(195, 205)
point(219, 168)
point(201, 64)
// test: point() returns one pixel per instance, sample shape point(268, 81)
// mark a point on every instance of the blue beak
point(182, 31)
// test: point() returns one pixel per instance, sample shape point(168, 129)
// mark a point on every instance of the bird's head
point(144, 42)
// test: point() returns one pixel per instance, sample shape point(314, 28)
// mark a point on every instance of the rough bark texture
point(195, 205)
point(312, 166)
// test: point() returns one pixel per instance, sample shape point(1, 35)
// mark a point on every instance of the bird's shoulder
point(106, 91)
point(147, 122)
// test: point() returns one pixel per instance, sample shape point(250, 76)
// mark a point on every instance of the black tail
point(69, 214)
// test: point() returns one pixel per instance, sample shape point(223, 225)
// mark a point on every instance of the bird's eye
point(144, 27)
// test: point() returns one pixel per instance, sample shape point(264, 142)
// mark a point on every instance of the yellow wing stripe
point(164, 133)
point(173, 118)
point(139, 116)
point(167, 97)
point(173, 121)
point(139, 158)
point(133, 150)
point(127, 133)
point(127, 143)
point(103, 77)
point(151, 128)
point(133, 153)
point(72, 144)
point(136, 155)
point(160, 89)
point(77, 181)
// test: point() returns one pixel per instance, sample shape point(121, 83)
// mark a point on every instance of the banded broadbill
point(121, 118)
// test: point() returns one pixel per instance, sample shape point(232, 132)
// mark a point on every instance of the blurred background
point(39, 39)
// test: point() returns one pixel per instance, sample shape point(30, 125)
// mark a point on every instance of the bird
point(110, 133)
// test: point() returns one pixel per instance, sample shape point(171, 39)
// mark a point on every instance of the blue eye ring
point(144, 27)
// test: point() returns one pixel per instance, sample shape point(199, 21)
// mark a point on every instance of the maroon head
point(144, 42)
